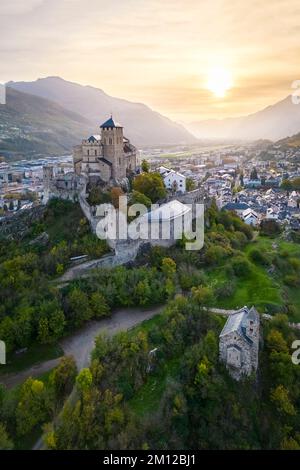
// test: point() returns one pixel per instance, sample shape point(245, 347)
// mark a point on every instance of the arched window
point(88, 152)
point(95, 152)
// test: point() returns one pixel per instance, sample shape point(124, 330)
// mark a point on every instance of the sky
point(188, 59)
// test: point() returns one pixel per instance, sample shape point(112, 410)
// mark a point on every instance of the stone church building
point(106, 157)
point(239, 342)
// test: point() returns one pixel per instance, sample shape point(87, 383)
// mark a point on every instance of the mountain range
point(31, 126)
point(51, 115)
point(141, 124)
point(273, 123)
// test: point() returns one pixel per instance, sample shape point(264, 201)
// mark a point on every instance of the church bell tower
point(113, 147)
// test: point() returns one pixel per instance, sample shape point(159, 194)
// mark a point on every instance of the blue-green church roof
point(110, 123)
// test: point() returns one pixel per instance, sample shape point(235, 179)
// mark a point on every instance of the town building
point(238, 207)
point(173, 180)
point(250, 217)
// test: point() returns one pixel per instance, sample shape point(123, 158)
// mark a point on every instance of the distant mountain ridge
point(273, 123)
point(142, 125)
point(291, 142)
point(33, 126)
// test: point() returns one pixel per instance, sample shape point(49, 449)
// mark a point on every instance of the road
point(81, 343)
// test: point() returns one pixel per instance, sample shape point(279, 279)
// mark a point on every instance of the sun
point(219, 81)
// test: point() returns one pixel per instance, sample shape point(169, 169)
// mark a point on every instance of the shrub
point(258, 257)
point(291, 280)
point(225, 290)
point(295, 264)
point(269, 227)
point(139, 198)
point(215, 254)
point(241, 266)
point(190, 277)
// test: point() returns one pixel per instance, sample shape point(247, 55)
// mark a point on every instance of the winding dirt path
point(81, 343)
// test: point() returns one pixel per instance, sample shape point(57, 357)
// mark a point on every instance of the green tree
point(99, 305)
point(51, 323)
point(145, 166)
point(151, 185)
point(170, 288)
point(142, 292)
point(203, 369)
point(190, 184)
point(5, 442)
point(168, 267)
point(32, 406)
point(139, 198)
point(202, 295)
point(78, 307)
point(210, 346)
point(84, 380)
point(287, 185)
point(276, 342)
point(62, 378)
point(7, 333)
point(59, 269)
point(280, 397)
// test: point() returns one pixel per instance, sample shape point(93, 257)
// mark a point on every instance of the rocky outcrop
point(42, 239)
point(16, 226)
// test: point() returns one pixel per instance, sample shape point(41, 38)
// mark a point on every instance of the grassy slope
point(260, 287)
point(35, 354)
point(257, 289)
point(148, 397)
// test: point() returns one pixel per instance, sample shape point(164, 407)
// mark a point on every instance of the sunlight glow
point(219, 81)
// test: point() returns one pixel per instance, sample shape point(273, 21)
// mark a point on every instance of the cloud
point(18, 7)
point(157, 52)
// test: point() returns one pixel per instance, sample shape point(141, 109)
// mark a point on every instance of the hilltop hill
point(30, 125)
point(292, 142)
